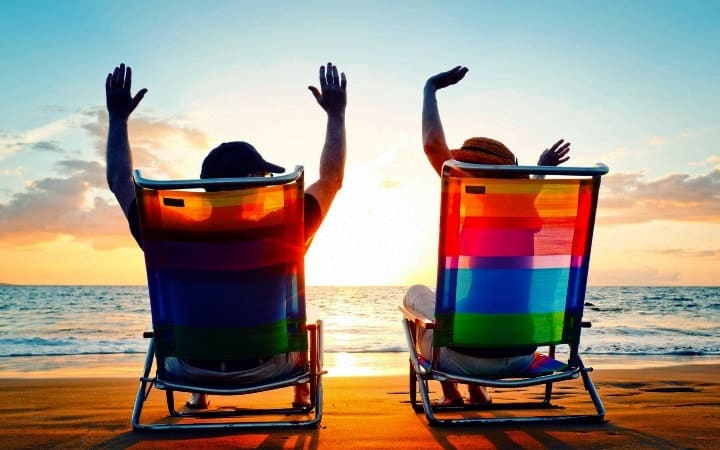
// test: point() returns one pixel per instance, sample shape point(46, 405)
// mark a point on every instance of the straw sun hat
point(482, 150)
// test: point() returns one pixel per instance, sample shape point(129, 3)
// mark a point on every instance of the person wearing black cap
point(478, 150)
point(231, 159)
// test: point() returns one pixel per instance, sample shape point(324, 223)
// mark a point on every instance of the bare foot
point(451, 395)
point(478, 394)
point(302, 396)
point(444, 401)
point(198, 401)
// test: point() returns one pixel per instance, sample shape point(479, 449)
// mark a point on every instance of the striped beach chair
point(224, 261)
point(513, 264)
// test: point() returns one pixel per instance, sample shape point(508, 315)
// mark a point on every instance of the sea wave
point(99, 320)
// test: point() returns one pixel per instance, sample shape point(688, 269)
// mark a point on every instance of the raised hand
point(445, 79)
point(332, 95)
point(120, 102)
point(555, 155)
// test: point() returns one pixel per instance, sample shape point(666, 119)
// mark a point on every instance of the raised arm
point(120, 103)
point(436, 148)
point(332, 97)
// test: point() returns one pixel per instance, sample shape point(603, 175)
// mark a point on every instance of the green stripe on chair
point(498, 330)
point(229, 344)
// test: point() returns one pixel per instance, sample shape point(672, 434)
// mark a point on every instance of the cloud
point(69, 204)
point(713, 161)
point(38, 137)
point(156, 143)
point(628, 198)
point(52, 207)
point(47, 146)
point(628, 277)
point(13, 171)
point(683, 253)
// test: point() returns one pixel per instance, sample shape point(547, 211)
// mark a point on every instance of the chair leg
point(412, 386)
point(146, 384)
point(548, 387)
point(548, 393)
point(426, 406)
point(592, 390)
point(170, 396)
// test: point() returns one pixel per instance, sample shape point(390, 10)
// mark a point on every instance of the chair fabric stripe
point(225, 271)
point(221, 256)
point(512, 260)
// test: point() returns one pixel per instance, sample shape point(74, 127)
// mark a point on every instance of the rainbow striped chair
point(225, 268)
point(513, 263)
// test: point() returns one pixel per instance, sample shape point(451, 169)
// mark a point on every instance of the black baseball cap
point(235, 159)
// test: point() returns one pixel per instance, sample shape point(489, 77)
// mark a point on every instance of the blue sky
point(633, 85)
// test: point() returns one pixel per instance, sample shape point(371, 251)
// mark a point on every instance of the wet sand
point(647, 407)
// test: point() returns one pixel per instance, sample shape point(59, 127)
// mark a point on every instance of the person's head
point(482, 150)
point(235, 160)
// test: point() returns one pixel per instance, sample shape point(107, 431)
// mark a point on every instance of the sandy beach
point(647, 407)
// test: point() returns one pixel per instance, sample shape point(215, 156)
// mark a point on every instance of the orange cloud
point(628, 198)
point(154, 142)
point(683, 253)
point(53, 207)
point(629, 277)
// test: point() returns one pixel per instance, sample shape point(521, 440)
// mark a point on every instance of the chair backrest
point(513, 254)
point(225, 268)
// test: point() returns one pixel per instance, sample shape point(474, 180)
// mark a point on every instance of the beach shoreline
point(659, 407)
point(337, 364)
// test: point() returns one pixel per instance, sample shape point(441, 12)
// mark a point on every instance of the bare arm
point(332, 97)
point(436, 148)
point(120, 104)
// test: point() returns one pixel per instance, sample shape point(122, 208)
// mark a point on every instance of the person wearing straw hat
point(478, 150)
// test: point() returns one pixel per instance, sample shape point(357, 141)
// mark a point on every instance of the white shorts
point(422, 299)
point(276, 366)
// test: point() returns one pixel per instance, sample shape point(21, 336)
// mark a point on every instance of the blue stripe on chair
point(487, 291)
point(219, 299)
point(576, 290)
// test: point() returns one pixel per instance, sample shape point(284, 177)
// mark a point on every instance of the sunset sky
point(635, 85)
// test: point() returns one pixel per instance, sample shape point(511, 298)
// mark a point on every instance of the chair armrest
point(416, 317)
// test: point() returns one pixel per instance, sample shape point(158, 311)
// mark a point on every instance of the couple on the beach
point(240, 159)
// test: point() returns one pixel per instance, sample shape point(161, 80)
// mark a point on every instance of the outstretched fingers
point(119, 76)
point(315, 93)
point(138, 97)
point(332, 70)
point(558, 152)
point(120, 101)
point(333, 83)
point(128, 78)
point(448, 78)
point(330, 77)
point(561, 148)
point(323, 77)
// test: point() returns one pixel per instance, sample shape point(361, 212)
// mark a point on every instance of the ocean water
point(66, 321)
